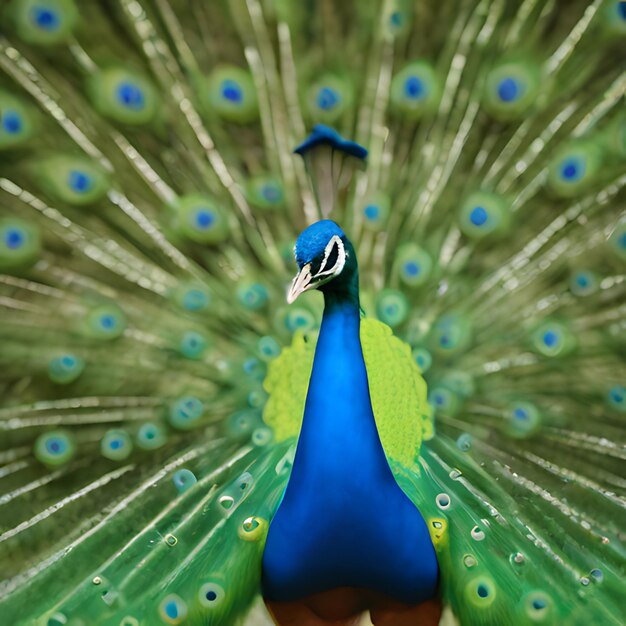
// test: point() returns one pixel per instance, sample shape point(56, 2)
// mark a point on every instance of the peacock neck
point(338, 429)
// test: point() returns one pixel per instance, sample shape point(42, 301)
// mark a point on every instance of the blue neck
point(343, 520)
point(338, 429)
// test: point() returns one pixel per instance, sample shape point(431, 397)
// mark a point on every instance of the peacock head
point(325, 258)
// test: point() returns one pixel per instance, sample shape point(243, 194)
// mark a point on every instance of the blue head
point(325, 257)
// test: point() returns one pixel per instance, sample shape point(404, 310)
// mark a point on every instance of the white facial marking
point(341, 258)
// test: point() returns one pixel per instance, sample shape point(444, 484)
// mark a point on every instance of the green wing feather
point(397, 391)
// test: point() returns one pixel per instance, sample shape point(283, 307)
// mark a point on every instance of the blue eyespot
point(173, 609)
point(265, 192)
point(443, 399)
point(297, 318)
point(210, 595)
point(522, 420)
point(184, 480)
point(13, 238)
point(572, 169)
point(414, 88)
point(583, 283)
point(621, 9)
point(45, 18)
point(392, 307)
point(242, 424)
point(253, 296)
point(107, 322)
point(195, 300)
point(371, 212)
point(412, 264)
point(553, 339)
point(204, 219)
point(452, 333)
point(508, 89)
point(255, 369)
point(396, 18)
point(11, 122)
point(575, 166)
point(550, 338)
point(478, 216)
point(464, 442)
point(54, 448)
point(201, 220)
point(268, 348)
point(232, 91)
point(520, 414)
point(186, 412)
point(131, 96)
point(65, 369)
point(538, 605)
point(272, 193)
point(79, 181)
point(484, 214)
point(375, 210)
point(150, 436)
point(617, 397)
point(480, 592)
point(423, 359)
point(116, 445)
point(411, 268)
point(327, 98)
point(193, 344)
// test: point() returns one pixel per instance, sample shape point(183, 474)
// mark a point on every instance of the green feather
point(152, 376)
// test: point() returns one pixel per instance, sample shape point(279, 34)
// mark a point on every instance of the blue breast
point(343, 520)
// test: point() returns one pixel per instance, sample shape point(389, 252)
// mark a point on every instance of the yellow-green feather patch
point(397, 391)
point(287, 382)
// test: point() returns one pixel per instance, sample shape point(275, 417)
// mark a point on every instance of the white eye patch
point(334, 258)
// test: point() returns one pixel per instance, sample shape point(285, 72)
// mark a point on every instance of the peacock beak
point(300, 283)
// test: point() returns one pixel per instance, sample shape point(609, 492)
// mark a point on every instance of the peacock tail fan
point(149, 201)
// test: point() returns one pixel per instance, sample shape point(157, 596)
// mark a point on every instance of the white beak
point(300, 283)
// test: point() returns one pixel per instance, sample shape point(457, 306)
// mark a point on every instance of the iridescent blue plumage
point(323, 538)
point(312, 242)
point(325, 135)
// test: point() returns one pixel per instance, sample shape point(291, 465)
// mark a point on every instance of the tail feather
point(149, 201)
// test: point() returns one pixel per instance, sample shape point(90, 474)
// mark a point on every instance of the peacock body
point(154, 378)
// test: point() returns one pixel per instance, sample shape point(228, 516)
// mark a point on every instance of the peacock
point(433, 433)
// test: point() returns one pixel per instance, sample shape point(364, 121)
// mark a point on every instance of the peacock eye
point(316, 267)
point(333, 256)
